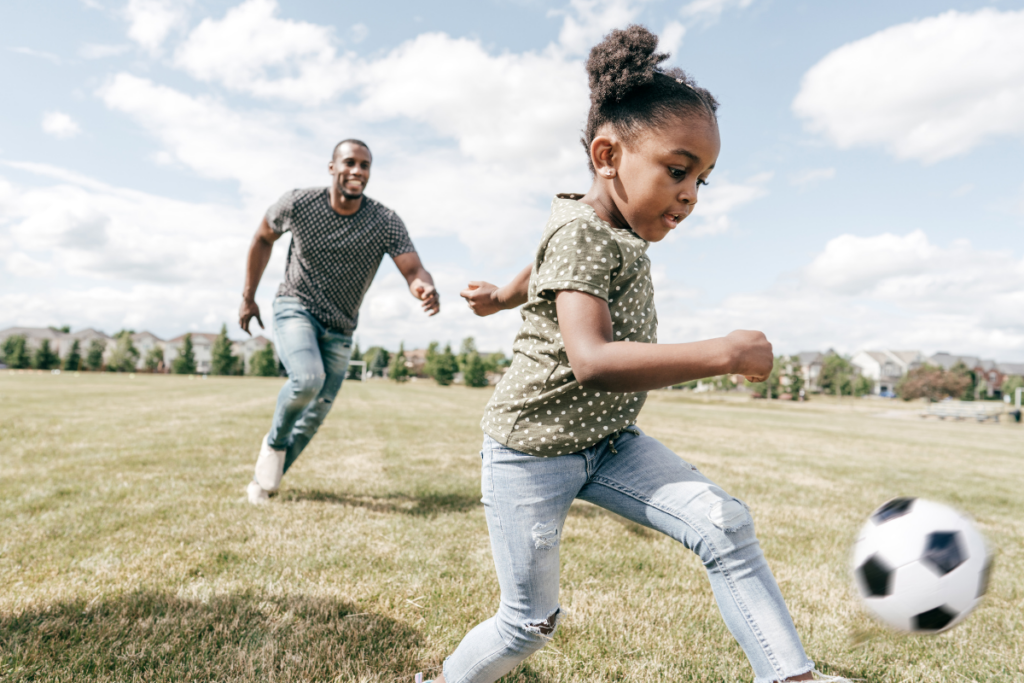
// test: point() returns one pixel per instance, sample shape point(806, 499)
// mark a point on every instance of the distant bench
point(964, 410)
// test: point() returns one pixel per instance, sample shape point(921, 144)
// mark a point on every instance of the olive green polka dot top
point(538, 407)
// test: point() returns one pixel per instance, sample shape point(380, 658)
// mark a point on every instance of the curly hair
point(631, 92)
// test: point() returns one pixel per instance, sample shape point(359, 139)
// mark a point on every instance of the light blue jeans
point(316, 359)
point(526, 500)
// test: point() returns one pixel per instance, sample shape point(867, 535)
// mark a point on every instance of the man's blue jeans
point(526, 500)
point(316, 359)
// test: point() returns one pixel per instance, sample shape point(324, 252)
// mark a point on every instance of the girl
point(561, 424)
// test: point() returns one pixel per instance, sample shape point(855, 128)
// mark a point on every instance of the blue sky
point(869, 192)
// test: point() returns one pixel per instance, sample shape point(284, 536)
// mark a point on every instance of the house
point(987, 373)
point(416, 360)
point(811, 363)
point(245, 348)
point(202, 349)
point(60, 342)
point(144, 342)
point(886, 367)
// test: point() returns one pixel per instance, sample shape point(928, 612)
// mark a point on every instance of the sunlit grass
point(128, 553)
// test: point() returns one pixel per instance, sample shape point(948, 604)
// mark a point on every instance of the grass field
point(128, 552)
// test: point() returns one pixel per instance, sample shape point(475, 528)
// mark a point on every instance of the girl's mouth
point(673, 219)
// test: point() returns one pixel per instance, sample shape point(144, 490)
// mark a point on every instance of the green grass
point(128, 553)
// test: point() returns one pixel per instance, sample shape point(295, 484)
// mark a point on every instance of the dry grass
point(127, 552)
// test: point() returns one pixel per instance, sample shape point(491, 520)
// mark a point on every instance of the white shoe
point(269, 467)
point(257, 496)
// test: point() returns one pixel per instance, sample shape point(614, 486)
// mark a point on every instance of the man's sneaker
point(269, 467)
point(256, 495)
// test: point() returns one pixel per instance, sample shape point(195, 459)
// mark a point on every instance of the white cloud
point(671, 38)
point(711, 216)
point(38, 54)
point(253, 51)
point(812, 175)
point(262, 152)
point(100, 51)
point(894, 291)
point(711, 10)
point(587, 21)
point(60, 125)
point(925, 90)
point(150, 22)
point(359, 32)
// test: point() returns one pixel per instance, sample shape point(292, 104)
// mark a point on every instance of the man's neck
point(343, 205)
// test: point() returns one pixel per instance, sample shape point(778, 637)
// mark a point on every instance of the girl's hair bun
point(624, 61)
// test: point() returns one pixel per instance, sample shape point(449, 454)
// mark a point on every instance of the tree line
point(440, 364)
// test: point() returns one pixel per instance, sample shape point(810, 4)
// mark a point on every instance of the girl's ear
point(604, 153)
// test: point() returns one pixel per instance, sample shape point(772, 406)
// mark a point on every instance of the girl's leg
point(650, 485)
point(525, 500)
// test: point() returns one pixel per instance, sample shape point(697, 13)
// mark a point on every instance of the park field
point(128, 552)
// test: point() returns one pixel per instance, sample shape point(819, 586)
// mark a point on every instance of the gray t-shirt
point(333, 258)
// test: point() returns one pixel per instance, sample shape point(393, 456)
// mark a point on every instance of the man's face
point(351, 170)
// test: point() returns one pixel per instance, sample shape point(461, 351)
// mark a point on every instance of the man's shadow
point(422, 504)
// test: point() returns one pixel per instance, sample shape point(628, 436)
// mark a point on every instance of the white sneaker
point(269, 467)
point(257, 496)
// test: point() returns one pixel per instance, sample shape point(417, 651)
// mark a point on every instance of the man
point(339, 237)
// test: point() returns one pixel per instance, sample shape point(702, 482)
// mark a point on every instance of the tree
point(1010, 386)
point(222, 361)
point(262, 363)
point(794, 378)
point(377, 360)
point(397, 370)
point(468, 347)
point(185, 363)
point(125, 357)
point(154, 359)
point(73, 360)
point(44, 358)
point(354, 371)
point(94, 357)
point(445, 367)
point(836, 376)
point(973, 386)
point(430, 359)
point(863, 386)
point(933, 383)
point(15, 351)
point(474, 374)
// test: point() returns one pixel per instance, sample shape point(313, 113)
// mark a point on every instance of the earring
point(609, 172)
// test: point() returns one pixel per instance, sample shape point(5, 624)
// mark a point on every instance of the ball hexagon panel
point(934, 619)
point(943, 552)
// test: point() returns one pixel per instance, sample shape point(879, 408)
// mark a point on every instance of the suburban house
point(202, 350)
point(145, 342)
point(989, 374)
point(60, 342)
point(247, 347)
point(886, 367)
point(810, 368)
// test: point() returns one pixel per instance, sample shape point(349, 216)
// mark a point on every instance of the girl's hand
point(482, 298)
point(751, 354)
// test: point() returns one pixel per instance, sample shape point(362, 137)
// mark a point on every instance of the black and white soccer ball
point(919, 566)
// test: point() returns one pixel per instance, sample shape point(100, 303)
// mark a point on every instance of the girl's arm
point(484, 298)
point(598, 362)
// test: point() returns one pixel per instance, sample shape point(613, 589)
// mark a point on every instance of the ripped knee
point(545, 627)
point(545, 535)
point(725, 512)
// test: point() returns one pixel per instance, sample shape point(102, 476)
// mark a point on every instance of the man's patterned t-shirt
point(538, 407)
point(332, 258)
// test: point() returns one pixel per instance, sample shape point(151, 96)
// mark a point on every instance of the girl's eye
point(701, 181)
point(676, 173)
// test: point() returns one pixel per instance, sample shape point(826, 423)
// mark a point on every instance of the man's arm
point(256, 263)
point(420, 283)
point(485, 299)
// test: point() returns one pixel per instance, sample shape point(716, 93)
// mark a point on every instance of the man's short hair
point(334, 155)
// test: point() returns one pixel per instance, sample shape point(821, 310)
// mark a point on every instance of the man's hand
point(246, 312)
point(482, 298)
point(425, 292)
point(751, 354)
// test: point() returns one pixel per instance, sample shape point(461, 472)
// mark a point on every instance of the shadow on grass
point(422, 504)
point(149, 636)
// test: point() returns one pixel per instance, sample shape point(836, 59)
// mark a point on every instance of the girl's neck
point(601, 201)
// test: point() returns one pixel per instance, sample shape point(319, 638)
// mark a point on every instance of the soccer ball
point(919, 566)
